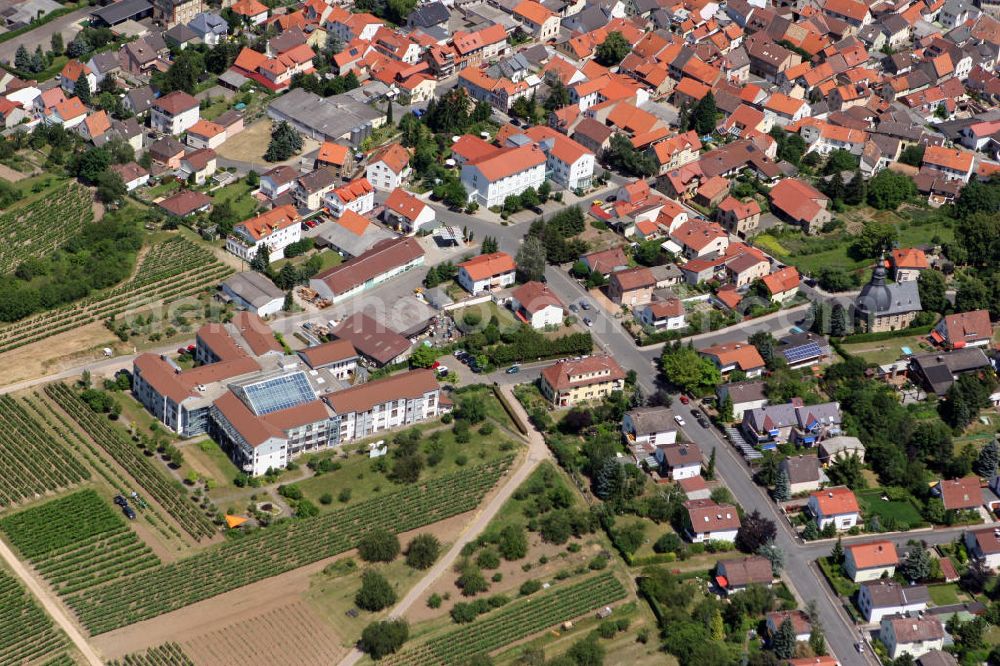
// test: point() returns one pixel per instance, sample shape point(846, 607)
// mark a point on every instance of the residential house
point(870, 561)
point(94, 126)
point(388, 167)
point(68, 113)
point(962, 494)
point(782, 109)
point(783, 284)
point(649, 427)
point(144, 56)
point(909, 634)
point(666, 315)
point(804, 474)
point(336, 156)
point(907, 263)
point(278, 181)
point(799, 620)
point(198, 165)
point(534, 303)
point(801, 204)
point(607, 261)
point(487, 272)
point(733, 576)
point(965, 329)
point(880, 598)
point(837, 448)
point(632, 287)
point(731, 356)
point(835, 506)
point(567, 163)
point(794, 422)
point(679, 461)
point(357, 195)
point(700, 238)
point(953, 164)
point(744, 396)
point(172, 12)
point(131, 174)
point(739, 217)
point(709, 521)
point(491, 179)
point(71, 73)
point(377, 344)
point(537, 20)
point(569, 382)
point(175, 112)
point(211, 28)
point(937, 371)
point(185, 203)
point(252, 11)
point(206, 134)
point(406, 213)
point(984, 545)
point(384, 404)
point(276, 228)
point(167, 152)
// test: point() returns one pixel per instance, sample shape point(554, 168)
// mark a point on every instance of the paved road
point(66, 24)
point(51, 605)
point(536, 453)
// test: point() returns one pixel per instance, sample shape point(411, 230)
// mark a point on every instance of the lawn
point(903, 512)
point(943, 595)
point(887, 351)
point(841, 585)
point(238, 196)
point(328, 257)
point(208, 457)
point(163, 189)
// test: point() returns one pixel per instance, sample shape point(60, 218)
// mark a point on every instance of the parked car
point(573, 308)
point(588, 321)
point(129, 512)
point(585, 305)
point(120, 501)
point(695, 413)
point(513, 370)
point(680, 421)
point(442, 370)
point(703, 422)
point(684, 399)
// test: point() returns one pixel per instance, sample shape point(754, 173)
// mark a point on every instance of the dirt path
point(50, 604)
point(537, 452)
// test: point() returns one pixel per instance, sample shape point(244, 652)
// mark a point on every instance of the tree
point(56, 43)
point(110, 187)
point(376, 593)
point(972, 294)
point(422, 357)
point(261, 261)
point(612, 50)
point(703, 116)
point(472, 582)
point(22, 59)
point(709, 471)
point(558, 96)
point(622, 156)
point(989, 457)
point(783, 642)
point(839, 324)
point(837, 554)
point(833, 186)
point(78, 47)
point(855, 190)
point(82, 89)
point(531, 259)
point(774, 555)
point(913, 154)
point(287, 277)
point(380, 639)
point(765, 344)
point(916, 566)
point(686, 369)
point(489, 246)
point(378, 545)
point(932, 287)
point(755, 531)
point(888, 189)
point(586, 652)
point(423, 551)
point(782, 486)
point(840, 160)
point(875, 238)
point(388, 113)
point(285, 142)
point(252, 179)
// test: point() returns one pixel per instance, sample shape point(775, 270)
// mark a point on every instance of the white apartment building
point(357, 195)
point(388, 168)
point(277, 229)
point(174, 113)
point(384, 404)
point(495, 177)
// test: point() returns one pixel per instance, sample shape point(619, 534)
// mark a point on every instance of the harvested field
point(291, 634)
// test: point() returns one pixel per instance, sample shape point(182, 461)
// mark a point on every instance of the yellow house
point(569, 382)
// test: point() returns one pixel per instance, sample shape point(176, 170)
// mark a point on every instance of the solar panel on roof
point(808, 350)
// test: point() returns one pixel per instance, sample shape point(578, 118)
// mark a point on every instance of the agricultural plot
point(168, 654)
point(26, 633)
point(169, 271)
point(292, 634)
point(146, 472)
point(279, 548)
point(514, 622)
point(43, 225)
point(31, 461)
point(77, 542)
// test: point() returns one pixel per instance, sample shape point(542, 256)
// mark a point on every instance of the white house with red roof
point(357, 195)
point(834, 506)
point(68, 113)
point(668, 315)
point(277, 229)
point(870, 561)
point(953, 164)
point(491, 179)
point(486, 272)
point(537, 20)
point(783, 284)
point(406, 213)
point(567, 162)
point(571, 381)
point(71, 73)
point(708, 521)
point(701, 238)
point(536, 304)
point(965, 329)
point(388, 167)
point(174, 112)
point(205, 134)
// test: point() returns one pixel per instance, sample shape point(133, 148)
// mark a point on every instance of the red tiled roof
point(572, 373)
point(963, 493)
point(265, 224)
point(873, 555)
point(488, 265)
point(782, 280)
point(836, 501)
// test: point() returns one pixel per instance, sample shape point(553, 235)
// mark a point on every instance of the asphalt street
point(67, 25)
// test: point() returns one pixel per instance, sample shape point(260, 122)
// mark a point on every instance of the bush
point(472, 582)
point(423, 551)
point(380, 639)
point(529, 587)
point(434, 601)
point(344, 496)
point(290, 491)
point(463, 613)
point(376, 593)
point(326, 498)
point(378, 545)
point(598, 563)
point(488, 559)
point(668, 543)
point(513, 542)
